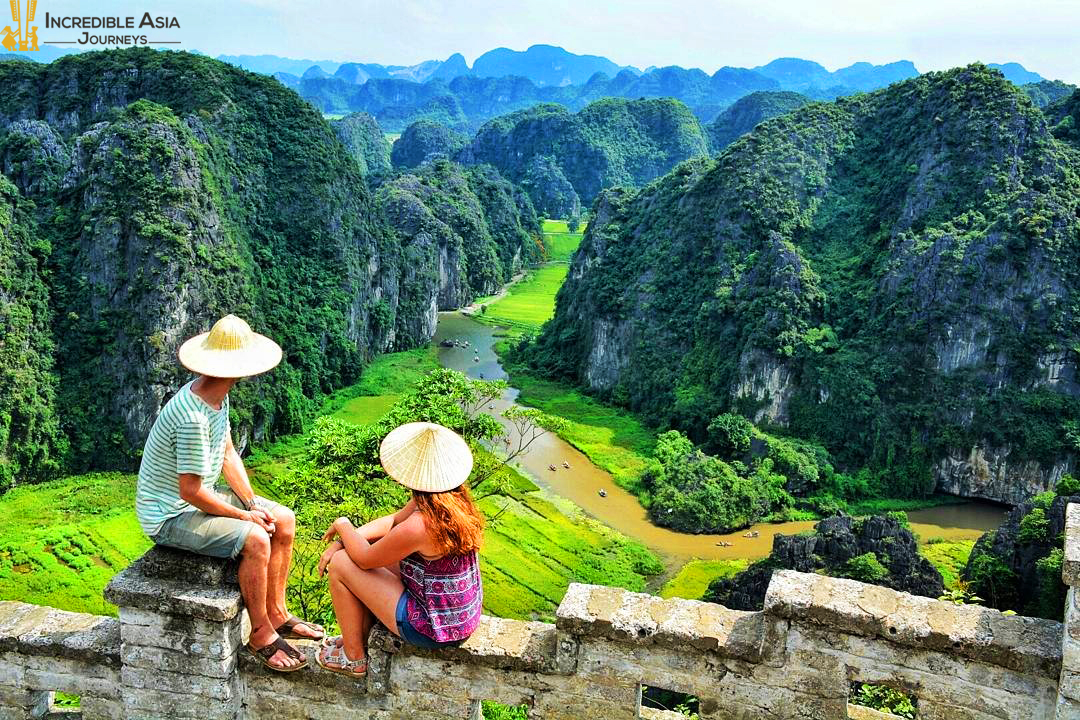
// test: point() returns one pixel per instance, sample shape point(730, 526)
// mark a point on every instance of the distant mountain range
point(503, 80)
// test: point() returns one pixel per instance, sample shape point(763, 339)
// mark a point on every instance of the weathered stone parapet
point(1023, 644)
point(1068, 701)
point(617, 614)
point(175, 652)
point(1070, 567)
point(43, 650)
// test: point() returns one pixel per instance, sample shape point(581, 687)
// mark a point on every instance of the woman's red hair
point(453, 521)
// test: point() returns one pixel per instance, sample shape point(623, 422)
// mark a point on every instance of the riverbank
point(609, 433)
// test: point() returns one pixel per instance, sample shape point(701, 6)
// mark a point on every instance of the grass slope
point(62, 541)
point(949, 558)
point(693, 579)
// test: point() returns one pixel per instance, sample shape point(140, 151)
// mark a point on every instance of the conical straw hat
point(425, 456)
point(230, 350)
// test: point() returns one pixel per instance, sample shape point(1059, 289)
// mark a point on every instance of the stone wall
point(176, 651)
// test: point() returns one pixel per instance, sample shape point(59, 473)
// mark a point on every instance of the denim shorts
point(211, 535)
point(410, 634)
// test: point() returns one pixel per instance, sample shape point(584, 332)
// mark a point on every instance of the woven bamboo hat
point(425, 456)
point(230, 350)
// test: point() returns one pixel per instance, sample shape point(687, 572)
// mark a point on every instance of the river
point(582, 482)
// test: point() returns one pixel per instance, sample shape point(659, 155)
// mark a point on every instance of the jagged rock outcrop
point(366, 142)
point(170, 189)
point(609, 143)
point(1018, 566)
point(839, 547)
point(424, 141)
point(890, 275)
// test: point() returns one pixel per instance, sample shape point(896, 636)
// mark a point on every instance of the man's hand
point(263, 519)
point(328, 553)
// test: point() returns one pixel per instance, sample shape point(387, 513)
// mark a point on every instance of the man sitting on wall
point(189, 447)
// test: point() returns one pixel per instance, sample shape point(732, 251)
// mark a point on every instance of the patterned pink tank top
point(445, 596)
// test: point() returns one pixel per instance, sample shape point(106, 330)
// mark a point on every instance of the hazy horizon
point(708, 35)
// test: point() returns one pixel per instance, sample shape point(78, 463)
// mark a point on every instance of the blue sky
point(1043, 35)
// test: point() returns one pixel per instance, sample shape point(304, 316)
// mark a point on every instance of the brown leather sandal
point(267, 651)
point(287, 630)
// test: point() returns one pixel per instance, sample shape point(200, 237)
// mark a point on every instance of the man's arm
point(236, 475)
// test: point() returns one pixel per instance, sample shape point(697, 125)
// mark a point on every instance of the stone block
point(155, 704)
point(172, 661)
point(1019, 643)
point(94, 708)
point(209, 688)
point(166, 563)
point(131, 589)
point(1070, 566)
point(48, 632)
point(598, 611)
point(497, 642)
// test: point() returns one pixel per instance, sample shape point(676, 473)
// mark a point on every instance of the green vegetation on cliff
point(366, 142)
point(888, 276)
point(425, 140)
point(613, 142)
point(31, 444)
point(747, 112)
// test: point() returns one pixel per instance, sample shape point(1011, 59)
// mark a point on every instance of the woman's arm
point(379, 527)
point(403, 540)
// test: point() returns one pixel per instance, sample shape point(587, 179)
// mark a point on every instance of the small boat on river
point(602, 492)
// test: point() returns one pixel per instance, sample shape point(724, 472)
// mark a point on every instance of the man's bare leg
point(252, 575)
point(277, 577)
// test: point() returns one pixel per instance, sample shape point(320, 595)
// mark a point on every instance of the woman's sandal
point(267, 651)
point(336, 655)
point(287, 629)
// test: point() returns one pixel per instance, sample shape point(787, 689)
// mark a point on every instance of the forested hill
point(563, 159)
point(747, 112)
point(152, 192)
point(893, 275)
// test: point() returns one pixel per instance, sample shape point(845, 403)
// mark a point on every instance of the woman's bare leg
point(395, 570)
point(360, 596)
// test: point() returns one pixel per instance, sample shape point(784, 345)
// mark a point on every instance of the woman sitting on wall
point(417, 570)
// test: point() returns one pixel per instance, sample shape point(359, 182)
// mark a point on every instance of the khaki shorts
point(212, 535)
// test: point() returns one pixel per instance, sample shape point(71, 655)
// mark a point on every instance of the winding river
point(582, 482)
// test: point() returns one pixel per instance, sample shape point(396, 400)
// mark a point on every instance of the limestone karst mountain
point(163, 190)
point(892, 275)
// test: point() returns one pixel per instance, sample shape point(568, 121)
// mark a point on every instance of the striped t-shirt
point(188, 437)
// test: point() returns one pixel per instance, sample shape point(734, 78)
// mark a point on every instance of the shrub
point(866, 568)
point(883, 698)
point(730, 434)
point(992, 579)
point(1067, 485)
point(1034, 526)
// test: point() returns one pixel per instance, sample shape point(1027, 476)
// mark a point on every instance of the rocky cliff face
point(31, 443)
point(608, 143)
point(470, 226)
point(839, 546)
point(891, 275)
point(171, 189)
point(366, 142)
